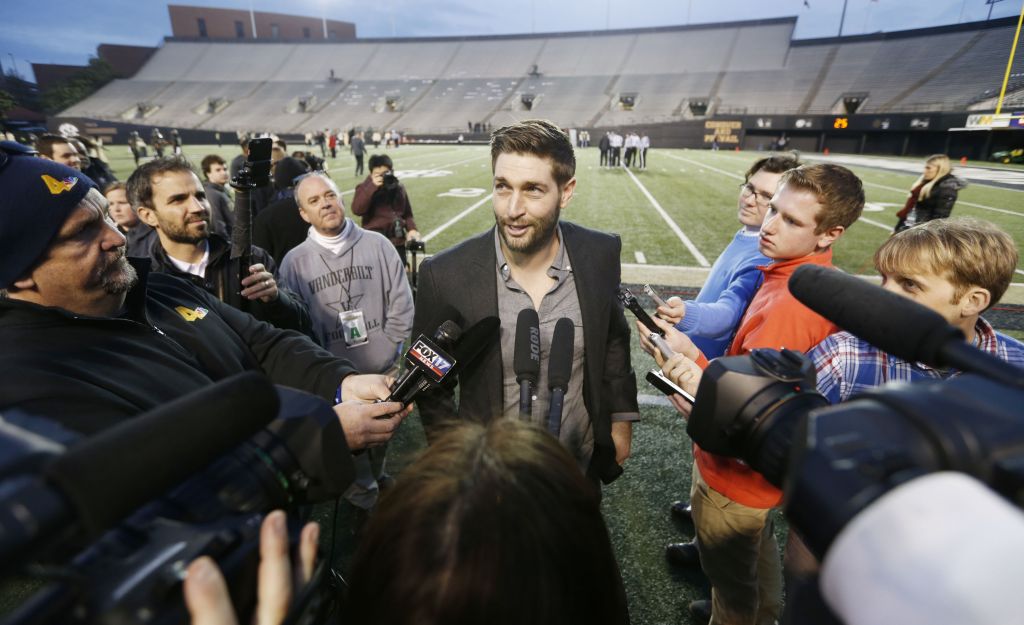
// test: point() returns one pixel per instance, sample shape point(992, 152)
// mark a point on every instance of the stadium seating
point(435, 85)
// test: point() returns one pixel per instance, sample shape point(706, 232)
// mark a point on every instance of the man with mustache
point(532, 259)
point(91, 339)
point(168, 196)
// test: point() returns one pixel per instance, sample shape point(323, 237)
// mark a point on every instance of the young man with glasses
point(710, 320)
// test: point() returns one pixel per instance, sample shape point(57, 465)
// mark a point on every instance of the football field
point(674, 218)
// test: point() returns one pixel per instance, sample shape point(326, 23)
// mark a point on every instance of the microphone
point(893, 323)
point(426, 363)
point(100, 480)
point(559, 371)
point(526, 359)
point(468, 348)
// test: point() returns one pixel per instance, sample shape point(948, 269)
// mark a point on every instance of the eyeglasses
point(762, 198)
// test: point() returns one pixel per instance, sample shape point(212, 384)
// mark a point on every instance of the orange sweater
point(774, 319)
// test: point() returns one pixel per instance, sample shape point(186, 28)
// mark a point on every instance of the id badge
point(353, 324)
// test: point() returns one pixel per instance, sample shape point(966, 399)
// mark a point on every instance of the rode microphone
point(427, 364)
point(526, 359)
point(893, 323)
point(101, 479)
point(563, 343)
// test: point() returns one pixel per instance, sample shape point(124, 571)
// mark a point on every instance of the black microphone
point(99, 480)
point(526, 358)
point(560, 370)
point(467, 349)
point(427, 363)
point(893, 323)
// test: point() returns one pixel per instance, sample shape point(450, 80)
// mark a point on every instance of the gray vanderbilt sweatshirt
point(367, 275)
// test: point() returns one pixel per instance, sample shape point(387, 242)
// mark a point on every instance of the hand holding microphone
point(427, 363)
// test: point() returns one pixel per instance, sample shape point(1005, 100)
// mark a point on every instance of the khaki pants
point(740, 557)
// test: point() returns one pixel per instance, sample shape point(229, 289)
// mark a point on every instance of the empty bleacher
point(576, 79)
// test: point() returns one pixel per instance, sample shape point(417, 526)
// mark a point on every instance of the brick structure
point(190, 22)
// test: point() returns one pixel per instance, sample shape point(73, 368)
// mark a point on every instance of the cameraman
point(384, 205)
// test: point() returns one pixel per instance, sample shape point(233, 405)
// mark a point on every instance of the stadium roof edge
point(578, 33)
point(916, 32)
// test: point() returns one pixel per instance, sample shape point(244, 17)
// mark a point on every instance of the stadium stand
point(578, 79)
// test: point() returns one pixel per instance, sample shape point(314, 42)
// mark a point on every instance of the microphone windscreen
point(445, 312)
point(526, 358)
point(890, 322)
point(560, 358)
point(107, 476)
point(447, 334)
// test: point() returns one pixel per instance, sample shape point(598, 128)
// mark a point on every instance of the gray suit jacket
point(464, 278)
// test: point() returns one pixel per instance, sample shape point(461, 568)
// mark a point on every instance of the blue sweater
point(711, 319)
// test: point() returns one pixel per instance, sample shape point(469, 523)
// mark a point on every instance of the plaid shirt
point(847, 365)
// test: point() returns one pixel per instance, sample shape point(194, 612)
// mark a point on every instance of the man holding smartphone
point(168, 196)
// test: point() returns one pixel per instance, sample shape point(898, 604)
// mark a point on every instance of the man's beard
point(117, 275)
point(182, 233)
point(541, 231)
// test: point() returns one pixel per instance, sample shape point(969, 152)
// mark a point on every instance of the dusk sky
point(68, 31)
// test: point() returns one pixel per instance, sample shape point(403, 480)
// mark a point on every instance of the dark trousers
point(359, 164)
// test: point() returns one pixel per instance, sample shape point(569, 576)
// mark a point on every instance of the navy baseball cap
point(36, 197)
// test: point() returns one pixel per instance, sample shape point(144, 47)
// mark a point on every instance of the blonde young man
point(957, 267)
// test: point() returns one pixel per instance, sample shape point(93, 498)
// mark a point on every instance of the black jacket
point(89, 373)
point(288, 312)
point(939, 204)
point(279, 228)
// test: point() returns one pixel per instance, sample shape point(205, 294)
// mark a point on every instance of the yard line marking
point(965, 203)
point(640, 258)
point(671, 224)
point(455, 219)
point(652, 400)
point(699, 164)
point(875, 223)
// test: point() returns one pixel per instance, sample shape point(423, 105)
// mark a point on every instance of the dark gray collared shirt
point(561, 301)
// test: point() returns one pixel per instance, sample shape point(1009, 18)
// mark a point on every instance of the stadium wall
point(895, 135)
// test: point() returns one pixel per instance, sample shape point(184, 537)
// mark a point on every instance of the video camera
point(835, 463)
point(389, 181)
point(112, 521)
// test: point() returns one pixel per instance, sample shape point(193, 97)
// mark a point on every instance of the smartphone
point(651, 293)
point(658, 380)
point(258, 160)
point(629, 301)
